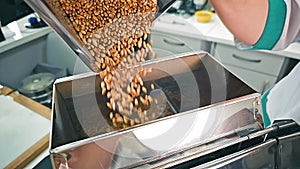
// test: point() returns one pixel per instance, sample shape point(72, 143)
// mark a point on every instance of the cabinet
point(166, 44)
point(258, 69)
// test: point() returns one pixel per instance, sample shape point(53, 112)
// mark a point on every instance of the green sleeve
point(274, 25)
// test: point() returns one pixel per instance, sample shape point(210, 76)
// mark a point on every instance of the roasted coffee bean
point(117, 36)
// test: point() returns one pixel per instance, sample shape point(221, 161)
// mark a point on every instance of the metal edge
point(75, 77)
point(297, 134)
point(52, 117)
point(149, 62)
point(164, 9)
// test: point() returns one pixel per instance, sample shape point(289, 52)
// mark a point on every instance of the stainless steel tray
point(206, 104)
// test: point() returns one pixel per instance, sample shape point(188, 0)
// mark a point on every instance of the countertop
point(17, 34)
point(213, 31)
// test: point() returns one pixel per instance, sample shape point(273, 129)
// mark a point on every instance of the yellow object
point(203, 16)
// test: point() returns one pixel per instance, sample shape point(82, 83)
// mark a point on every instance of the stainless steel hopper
point(207, 106)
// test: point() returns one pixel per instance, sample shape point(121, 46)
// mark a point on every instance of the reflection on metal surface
point(206, 107)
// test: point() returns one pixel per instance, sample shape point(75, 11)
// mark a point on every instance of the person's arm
point(245, 19)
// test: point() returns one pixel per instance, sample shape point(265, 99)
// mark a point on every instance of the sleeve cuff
point(274, 25)
point(264, 100)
